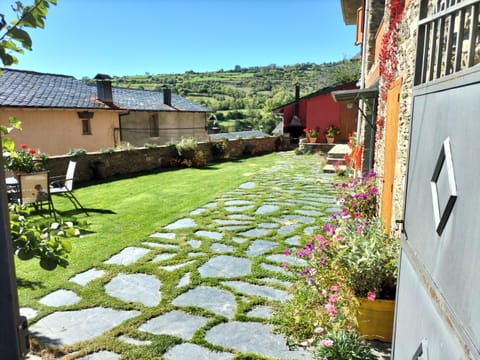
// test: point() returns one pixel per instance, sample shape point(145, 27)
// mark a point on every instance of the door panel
point(443, 163)
point(391, 129)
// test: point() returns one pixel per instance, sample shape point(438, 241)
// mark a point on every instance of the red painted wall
point(318, 111)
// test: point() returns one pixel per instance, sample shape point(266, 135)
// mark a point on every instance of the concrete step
point(336, 156)
point(330, 169)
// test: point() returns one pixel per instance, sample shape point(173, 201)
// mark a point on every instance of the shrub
point(199, 160)
point(358, 197)
point(77, 152)
point(219, 148)
point(342, 345)
point(186, 147)
point(368, 258)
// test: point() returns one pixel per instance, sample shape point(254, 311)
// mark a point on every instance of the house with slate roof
point(59, 112)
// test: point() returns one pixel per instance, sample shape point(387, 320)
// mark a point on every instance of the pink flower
point(295, 312)
point(287, 252)
point(326, 343)
point(331, 309)
point(324, 293)
point(334, 288)
point(318, 330)
point(371, 295)
point(285, 265)
point(333, 298)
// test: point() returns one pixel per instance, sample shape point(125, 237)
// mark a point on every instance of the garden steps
point(336, 156)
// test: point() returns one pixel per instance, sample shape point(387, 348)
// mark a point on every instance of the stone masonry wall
point(101, 166)
point(407, 40)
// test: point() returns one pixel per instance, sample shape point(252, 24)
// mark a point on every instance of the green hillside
point(243, 98)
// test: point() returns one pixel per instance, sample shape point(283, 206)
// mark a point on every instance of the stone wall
point(108, 165)
point(406, 51)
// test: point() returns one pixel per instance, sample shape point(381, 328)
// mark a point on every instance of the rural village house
point(418, 102)
point(318, 110)
point(59, 112)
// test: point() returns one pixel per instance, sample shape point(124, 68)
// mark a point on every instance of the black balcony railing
point(448, 38)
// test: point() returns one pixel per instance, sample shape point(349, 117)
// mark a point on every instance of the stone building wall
point(406, 51)
point(100, 166)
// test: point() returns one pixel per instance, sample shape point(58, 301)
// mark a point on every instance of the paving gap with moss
point(202, 286)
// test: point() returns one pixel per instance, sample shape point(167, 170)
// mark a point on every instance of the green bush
point(219, 148)
point(186, 147)
point(343, 345)
point(76, 152)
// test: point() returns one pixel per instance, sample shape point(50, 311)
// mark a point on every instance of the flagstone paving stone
point(262, 312)
point(127, 256)
point(236, 209)
point(194, 243)
point(257, 290)
point(259, 247)
point(252, 337)
point(293, 240)
point(275, 268)
point(286, 284)
point(282, 258)
point(84, 278)
point(160, 246)
point(184, 281)
point(218, 301)
point(141, 288)
point(266, 209)
point(166, 236)
point(181, 224)
point(28, 312)
point(175, 323)
point(255, 233)
point(163, 257)
point(191, 351)
point(60, 297)
point(287, 229)
point(171, 268)
point(224, 266)
point(247, 185)
point(210, 234)
point(221, 248)
point(69, 327)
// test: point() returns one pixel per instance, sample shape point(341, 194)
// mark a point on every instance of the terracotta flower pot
point(375, 319)
point(330, 140)
point(313, 140)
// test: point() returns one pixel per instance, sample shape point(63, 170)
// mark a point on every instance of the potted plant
point(331, 132)
point(22, 161)
point(368, 258)
point(312, 135)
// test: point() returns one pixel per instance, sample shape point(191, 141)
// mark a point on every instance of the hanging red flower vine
point(388, 57)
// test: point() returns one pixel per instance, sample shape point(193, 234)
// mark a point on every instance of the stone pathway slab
point(60, 298)
point(255, 233)
point(85, 277)
point(163, 257)
point(210, 234)
point(258, 290)
point(175, 323)
point(141, 288)
point(132, 341)
point(192, 351)
point(259, 247)
point(69, 327)
point(181, 224)
point(217, 301)
point(166, 236)
point(127, 256)
point(250, 337)
point(262, 312)
point(225, 266)
point(267, 209)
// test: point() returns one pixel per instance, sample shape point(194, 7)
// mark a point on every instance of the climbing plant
point(388, 57)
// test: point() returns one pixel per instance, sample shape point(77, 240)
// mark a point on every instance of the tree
point(13, 38)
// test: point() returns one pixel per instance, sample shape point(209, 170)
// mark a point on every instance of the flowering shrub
point(313, 133)
point(22, 160)
point(368, 258)
point(342, 344)
point(358, 197)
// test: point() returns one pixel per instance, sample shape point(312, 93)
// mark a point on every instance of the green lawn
point(126, 212)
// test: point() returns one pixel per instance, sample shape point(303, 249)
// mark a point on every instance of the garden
point(346, 292)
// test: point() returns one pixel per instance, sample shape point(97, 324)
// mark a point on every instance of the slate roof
point(19, 88)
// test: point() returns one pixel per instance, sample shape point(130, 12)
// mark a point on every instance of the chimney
point(167, 96)
point(104, 88)
point(297, 98)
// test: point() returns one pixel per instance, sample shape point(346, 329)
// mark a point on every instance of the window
point(153, 123)
point(86, 128)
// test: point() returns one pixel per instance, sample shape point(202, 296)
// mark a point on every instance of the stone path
point(228, 267)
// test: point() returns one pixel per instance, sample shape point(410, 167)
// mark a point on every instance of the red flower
point(24, 146)
point(32, 151)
